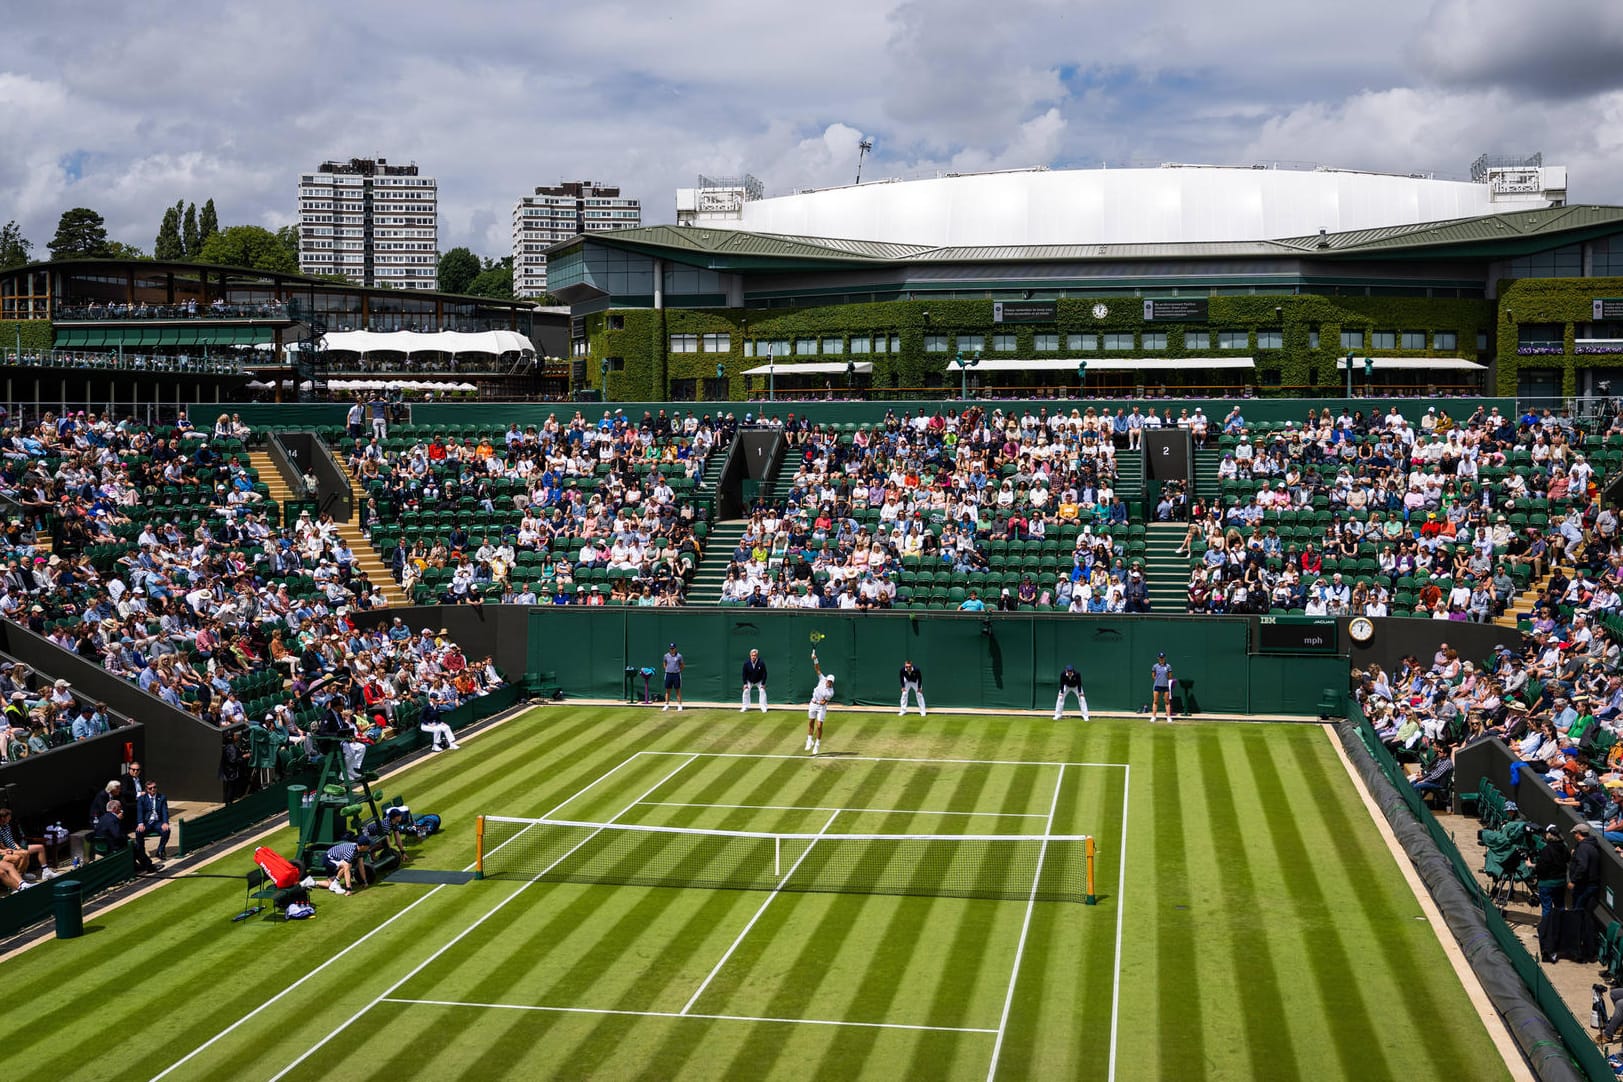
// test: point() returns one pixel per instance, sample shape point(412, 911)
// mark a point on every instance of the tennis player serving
point(818, 710)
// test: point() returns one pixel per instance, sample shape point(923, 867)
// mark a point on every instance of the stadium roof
point(1506, 234)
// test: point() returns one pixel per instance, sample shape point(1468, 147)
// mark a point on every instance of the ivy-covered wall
point(36, 334)
point(1567, 301)
point(638, 338)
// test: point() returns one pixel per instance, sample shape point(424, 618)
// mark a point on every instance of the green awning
point(69, 337)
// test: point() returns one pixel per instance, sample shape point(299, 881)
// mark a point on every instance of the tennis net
point(1051, 867)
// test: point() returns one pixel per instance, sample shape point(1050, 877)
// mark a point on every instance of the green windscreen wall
point(1006, 662)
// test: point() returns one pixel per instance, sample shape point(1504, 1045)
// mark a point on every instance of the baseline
point(472, 927)
point(883, 759)
point(675, 1014)
point(362, 939)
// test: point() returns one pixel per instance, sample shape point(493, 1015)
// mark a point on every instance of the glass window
point(1565, 262)
point(1003, 343)
point(935, 343)
point(1606, 258)
point(1045, 343)
point(1481, 341)
point(1233, 340)
point(718, 343)
point(859, 344)
point(971, 343)
point(684, 343)
point(895, 343)
point(1312, 339)
point(805, 347)
point(1414, 340)
point(1155, 340)
point(1084, 342)
point(833, 345)
point(1197, 340)
point(1119, 342)
point(1270, 339)
point(1352, 339)
point(1383, 340)
point(1445, 340)
point(749, 348)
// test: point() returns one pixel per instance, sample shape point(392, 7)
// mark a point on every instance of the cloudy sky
point(126, 108)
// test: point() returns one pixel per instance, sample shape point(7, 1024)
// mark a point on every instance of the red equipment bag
point(283, 872)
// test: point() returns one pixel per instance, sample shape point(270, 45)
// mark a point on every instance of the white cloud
point(126, 109)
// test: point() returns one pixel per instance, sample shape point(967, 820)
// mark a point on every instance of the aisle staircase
point(1206, 463)
point(367, 558)
point(705, 589)
point(271, 478)
point(1168, 573)
point(1522, 602)
point(1130, 478)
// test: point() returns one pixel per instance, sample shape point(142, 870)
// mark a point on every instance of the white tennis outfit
point(824, 692)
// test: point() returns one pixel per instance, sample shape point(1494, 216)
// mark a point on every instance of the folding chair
point(260, 888)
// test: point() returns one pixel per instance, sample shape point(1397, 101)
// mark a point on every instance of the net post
point(777, 858)
point(1089, 848)
point(479, 848)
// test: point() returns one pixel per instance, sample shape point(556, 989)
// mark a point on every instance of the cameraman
point(1550, 872)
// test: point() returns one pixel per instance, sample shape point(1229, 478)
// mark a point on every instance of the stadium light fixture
point(862, 149)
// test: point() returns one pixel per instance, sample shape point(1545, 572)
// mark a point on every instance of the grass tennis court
point(1253, 925)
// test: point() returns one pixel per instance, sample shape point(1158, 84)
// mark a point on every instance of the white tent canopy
point(409, 342)
point(813, 368)
point(1109, 364)
point(1387, 364)
point(398, 384)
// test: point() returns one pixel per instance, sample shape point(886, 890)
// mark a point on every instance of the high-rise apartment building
point(558, 213)
point(372, 222)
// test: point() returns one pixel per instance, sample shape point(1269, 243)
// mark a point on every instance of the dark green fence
point(1010, 662)
point(1574, 1034)
point(21, 909)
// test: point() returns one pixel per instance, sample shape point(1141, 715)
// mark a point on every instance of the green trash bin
point(298, 805)
point(67, 901)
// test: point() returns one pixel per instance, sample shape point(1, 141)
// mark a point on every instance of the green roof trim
point(1508, 234)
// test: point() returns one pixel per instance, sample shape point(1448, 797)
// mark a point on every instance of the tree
point(189, 233)
point(169, 246)
point(248, 246)
point(288, 238)
point(458, 268)
point(117, 249)
point(208, 224)
point(81, 233)
point(496, 280)
point(14, 247)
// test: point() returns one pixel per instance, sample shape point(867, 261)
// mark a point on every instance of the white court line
point(804, 854)
point(1020, 950)
point(469, 929)
point(278, 996)
point(882, 759)
point(1121, 910)
point(807, 807)
point(673, 1014)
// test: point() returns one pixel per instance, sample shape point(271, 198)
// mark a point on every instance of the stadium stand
point(564, 513)
point(173, 568)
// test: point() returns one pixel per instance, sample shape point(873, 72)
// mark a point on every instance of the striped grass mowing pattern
point(1266, 932)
